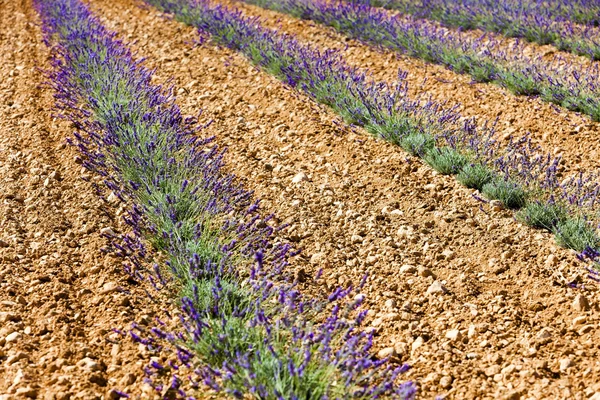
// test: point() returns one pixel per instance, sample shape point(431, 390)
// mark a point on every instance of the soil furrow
point(61, 295)
point(574, 136)
point(480, 305)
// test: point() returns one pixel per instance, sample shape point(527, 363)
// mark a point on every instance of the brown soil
point(60, 297)
point(561, 132)
point(478, 304)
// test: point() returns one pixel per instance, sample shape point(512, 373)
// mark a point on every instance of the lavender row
point(243, 329)
point(484, 58)
point(570, 26)
point(519, 175)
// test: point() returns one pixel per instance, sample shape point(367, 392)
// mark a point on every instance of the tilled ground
point(576, 137)
point(480, 305)
point(60, 296)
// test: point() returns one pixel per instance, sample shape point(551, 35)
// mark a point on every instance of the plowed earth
point(574, 136)
point(359, 206)
point(60, 296)
point(479, 305)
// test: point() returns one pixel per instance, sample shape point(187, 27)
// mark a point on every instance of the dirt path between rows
point(60, 296)
point(478, 304)
point(558, 131)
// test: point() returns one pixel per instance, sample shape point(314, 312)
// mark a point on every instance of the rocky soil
point(574, 136)
point(60, 296)
point(481, 306)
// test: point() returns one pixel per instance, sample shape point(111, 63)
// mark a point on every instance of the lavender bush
point(483, 58)
point(243, 329)
point(516, 174)
point(568, 25)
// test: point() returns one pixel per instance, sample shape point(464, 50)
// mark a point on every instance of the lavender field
point(300, 199)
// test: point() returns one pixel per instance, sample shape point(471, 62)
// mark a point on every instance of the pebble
point(417, 343)
point(27, 392)
point(13, 337)
point(408, 269)
point(564, 364)
point(446, 382)
point(492, 370)
point(356, 239)
point(387, 352)
point(472, 332)
point(544, 334)
point(107, 231)
point(551, 260)
point(425, 272)
point(390, 304)
point(317, 258)
point(585, 329)
point(496, 205)
point(109, 287)
point(89, 364)
point(454, 335)
point(401, 349)
point(299, 177)
point(579, 320)
point(436, 288)
point(581, 303)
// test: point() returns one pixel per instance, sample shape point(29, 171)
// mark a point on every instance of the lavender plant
point(483, 58)
point(244, 330)
point(568, 25)
point(517, 174)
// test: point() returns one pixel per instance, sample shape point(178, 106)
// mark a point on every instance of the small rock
point(377, 322)
point(446, 382)
point(401, 349)
point(390, 304)
point(508, 370)
point(581, 303)
point(425, 272)
point(387, 352)
point(417, 343)
point(564, 364)
point(370, 260)
point(27, 392)
point(112, 198)
point(408, 269)
point(454, 335)
point(492, 370)
point(317, 258)
point(551, 260)
point(472, 332)
point(585, 329)
point(405, 232)
point(356, 239)
point(299, 177)
point(436, 288)
point(359, 297)
point(579, 320)
point(496, 205)
point(89, 364)
point(109, 287)
point(8, 316)
point(472, 356)
point(391, 317)
point(448, 254)
point(544, 334)
point(107, 231)
point(13, 337)
point(540, 364)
